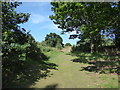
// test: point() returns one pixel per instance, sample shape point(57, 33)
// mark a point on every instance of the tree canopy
point(53, 40)
point(68, 44)
point(90, 20)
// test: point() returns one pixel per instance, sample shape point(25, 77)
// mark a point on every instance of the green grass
point(70, 74)
point(110, 81)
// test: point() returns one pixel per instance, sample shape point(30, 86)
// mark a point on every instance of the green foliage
point(18, 46)
point(53, 40)
point(68, 44)
point(88, 20)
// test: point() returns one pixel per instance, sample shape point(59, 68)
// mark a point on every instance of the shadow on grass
point(102, 67)
point(99, 63)
point(48, 87)
point(85, 58)
point(51, 87)
point(32, 73)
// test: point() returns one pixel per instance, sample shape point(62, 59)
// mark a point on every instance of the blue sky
point(39, 23)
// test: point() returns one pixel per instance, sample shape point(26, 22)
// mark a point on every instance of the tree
point(18, 46)
point(53, 40)
point(86, 18)
point(115, 20)
point(68, 44)
point(14, 41)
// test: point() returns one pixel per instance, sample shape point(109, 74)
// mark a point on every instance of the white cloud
point(36, 18)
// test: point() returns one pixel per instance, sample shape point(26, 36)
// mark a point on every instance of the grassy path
point(69, 75)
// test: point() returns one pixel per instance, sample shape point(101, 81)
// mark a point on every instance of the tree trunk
point(92, 47)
